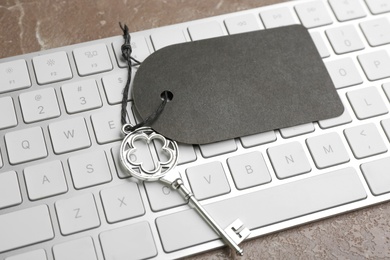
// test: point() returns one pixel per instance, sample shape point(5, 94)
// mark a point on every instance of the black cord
point(126, 53)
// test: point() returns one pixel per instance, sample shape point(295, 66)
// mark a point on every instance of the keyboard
point(63, 194)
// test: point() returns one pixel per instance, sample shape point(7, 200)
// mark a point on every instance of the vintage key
point(234, 234)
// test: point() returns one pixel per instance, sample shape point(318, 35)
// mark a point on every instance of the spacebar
point(25, 227)
point(262, 208)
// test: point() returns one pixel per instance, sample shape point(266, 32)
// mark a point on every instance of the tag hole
point(167, 94)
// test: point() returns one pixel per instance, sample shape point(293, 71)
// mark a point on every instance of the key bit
point(237, 231)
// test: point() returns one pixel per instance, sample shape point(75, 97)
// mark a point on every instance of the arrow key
point(365, 140)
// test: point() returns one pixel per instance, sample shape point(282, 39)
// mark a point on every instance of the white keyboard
point(63, 195)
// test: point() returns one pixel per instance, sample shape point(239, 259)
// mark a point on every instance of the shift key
point(262, 208)
point(25, 227)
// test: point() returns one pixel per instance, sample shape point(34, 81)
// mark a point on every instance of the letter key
point(234, 234)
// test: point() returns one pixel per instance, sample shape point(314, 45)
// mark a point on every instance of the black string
point(126, 53)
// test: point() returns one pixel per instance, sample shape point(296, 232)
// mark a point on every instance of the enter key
point(365, 140)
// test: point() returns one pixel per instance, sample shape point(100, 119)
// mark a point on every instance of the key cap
point(114, 84)
point(13, 76)
point(377, 32)
point(319, 42)
point(365, 140)
point(166, 37)
point(8, 116)
point(377, 175)
point(249, 170)
point(38, 254)
point(162, 196)
point(122, 202)
point(367, 102)
point(313, 14)
point(344, 39)
point(378, 6)
point(344, 118)
point(242, 23)
point(288, 160)
point(347, 9)
point(1, 161)
point(25, 227)
point(277, 17)
point(81, 96)
point(289, 201)
point(386, 88)
point(218, 148)
point(89, 169)
point(25, 145)
point(9, 190)
point(52, 67)
point(69, 135)
point(45, 180)
point(92, 59)
point(79, 249)
point(205, 30)
point(297, 130)
point(162, 171)
point(126, 241)
point(39, 105)
point(376, 65)
point(258, 139)
point(343, 73)
point(386, 126)
point(140, 50)
point(77, 214)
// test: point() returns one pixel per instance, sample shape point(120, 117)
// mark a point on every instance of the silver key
point(234, 234)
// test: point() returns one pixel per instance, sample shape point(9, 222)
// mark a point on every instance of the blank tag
point(236, 85)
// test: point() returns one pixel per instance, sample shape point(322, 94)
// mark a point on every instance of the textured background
point(33, 25)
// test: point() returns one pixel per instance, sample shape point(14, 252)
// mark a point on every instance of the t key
point(142, 139)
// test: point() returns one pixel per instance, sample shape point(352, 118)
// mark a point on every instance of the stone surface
point(33, 25)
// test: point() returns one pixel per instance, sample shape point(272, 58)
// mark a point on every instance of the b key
point(234, 234)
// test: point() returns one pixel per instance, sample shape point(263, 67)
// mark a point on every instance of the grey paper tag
point(236, 85)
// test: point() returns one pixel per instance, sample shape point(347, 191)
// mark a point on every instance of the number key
point(344, 39)
point(81, 96)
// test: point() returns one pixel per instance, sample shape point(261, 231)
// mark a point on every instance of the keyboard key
point(376, 65)
point(218, 148)
point(347, 9)
point(92, 59)
point(79, 249)
point(114, 85)
point(8, 116)
point(69, 135)
point(38, 254)
point(162, 196)
point(13, 76)
point(81, 96)
point(45, 180)
point(367, 102)
point(313, 14)
point(319, 42)
point(258, 139)
point(378, 6)
point(52, 67)
point(386, 126)
point(208, 180)
point(122, 202)
point(242, 23)
point(135, 240)
point(140, 50)
point(343, 73)
point(345, 118)
point(39, 105)
point(108, 125)
point(377, 175)
point(25, 145)
point(249, 170)
point(386, 88)
point(344, 39)
point(9, 190)
point(89, 169)
point(365, 140)
point(205, 30)
point(327, 150)
point(25, 227)
point(291, 200)
point(377, 32)
point(166, 37)
point(1, 161)
point(277, 17)
point(187, 153)
point(77, 214)
point(297, 130)
point(288, 160)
